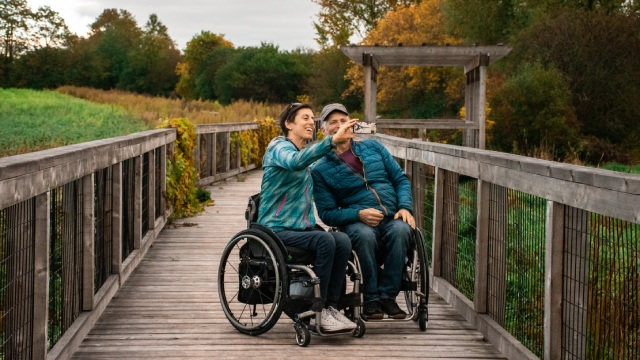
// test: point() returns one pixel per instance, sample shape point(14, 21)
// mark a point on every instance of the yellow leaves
point(181, 171)
point(410, 25)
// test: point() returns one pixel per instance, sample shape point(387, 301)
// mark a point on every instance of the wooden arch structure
point(474, 60)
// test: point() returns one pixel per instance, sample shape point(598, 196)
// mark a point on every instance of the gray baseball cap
point(327, 110)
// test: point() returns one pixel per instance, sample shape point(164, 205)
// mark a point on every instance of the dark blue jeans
point(332, 250)
point(390, 235)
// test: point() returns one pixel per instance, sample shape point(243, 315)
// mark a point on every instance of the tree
point(152, 62)
point(263, 74)
point(532, 111)
point(599, 55)
point(115, 34)
point(339, 20)
point(413, 91)
point(204, 55)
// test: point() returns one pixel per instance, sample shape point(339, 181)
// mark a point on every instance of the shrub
point(181, 171)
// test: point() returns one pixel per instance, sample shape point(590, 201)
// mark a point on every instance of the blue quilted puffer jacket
point(339, 192)
point(287, 187)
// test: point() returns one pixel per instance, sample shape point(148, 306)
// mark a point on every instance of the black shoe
point(391, 308)
point(371, 310)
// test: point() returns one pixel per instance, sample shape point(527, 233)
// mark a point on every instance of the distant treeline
point(568, 91)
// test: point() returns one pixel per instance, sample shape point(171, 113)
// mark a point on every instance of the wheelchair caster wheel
point(422, 320)
point(303, 336)
point(360, 329)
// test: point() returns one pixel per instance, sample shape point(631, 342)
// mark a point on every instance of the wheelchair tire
point(360, 329)
point(420, 276)
point(251, 277)
point(423, 307)
point(303, 336)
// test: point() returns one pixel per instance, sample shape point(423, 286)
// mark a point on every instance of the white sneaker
point(341, 318)
point(330, 323)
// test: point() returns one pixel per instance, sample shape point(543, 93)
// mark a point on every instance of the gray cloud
point(286, 23)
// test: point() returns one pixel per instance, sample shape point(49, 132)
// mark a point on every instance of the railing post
point(88, 233)
point(438, 206)
point(415, 170)
point(116, 259)
point(167, 151)
point(137, 202)
point(197, 154)
point(212, 155)
point(41, 278)
point(152, 190)
point(553, 281)
point(370, 87)
point(226, 154)
point(482, 247)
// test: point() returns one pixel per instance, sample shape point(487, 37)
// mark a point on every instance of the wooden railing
point(216, 157)
point(74, 223)
point(542, 257)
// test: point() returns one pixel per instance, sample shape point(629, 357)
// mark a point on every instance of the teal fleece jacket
point(287, 187)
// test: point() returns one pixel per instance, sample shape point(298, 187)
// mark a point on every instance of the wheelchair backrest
point(251, 213)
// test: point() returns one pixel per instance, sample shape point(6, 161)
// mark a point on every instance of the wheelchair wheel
point(303, 336)
point(360, 328)
point(251, 278)
point(420, 276)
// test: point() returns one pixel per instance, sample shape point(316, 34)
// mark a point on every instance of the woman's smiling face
point(302, 127)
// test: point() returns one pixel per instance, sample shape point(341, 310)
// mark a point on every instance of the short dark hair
point(289, 114)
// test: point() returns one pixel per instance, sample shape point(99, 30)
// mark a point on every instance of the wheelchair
point(259, 278)
point(414, 285)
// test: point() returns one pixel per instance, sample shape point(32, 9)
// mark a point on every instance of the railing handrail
point(37, 168)
point(602, 191)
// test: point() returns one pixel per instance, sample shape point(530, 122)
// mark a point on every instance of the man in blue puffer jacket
point(361, 189)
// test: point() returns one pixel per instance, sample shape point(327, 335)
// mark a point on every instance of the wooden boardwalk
point(169, 307)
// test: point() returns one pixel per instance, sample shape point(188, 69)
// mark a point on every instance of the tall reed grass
point(153, 109)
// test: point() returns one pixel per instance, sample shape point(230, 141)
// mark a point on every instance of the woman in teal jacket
point(286, 204)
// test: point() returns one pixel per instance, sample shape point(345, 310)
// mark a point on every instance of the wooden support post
point(482, 247)
point(152, 192)
point(41, 278)
point(226, 154)
point(212, 155)
point(418, 182)
point(116, 258)
point(370, 87)
point(137, 202)
point(482, 100)
point(553, 281)
point(197, 154)
point(438, 211)
point(88, 243)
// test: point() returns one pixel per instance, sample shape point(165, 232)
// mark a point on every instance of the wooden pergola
point(474, 60)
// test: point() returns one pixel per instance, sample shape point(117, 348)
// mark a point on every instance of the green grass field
point(36, 120)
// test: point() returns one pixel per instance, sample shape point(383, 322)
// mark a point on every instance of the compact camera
point(362, 127)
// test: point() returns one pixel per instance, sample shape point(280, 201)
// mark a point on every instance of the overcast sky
point(286, 23)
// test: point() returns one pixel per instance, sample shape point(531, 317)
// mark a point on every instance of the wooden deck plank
point(169, 306)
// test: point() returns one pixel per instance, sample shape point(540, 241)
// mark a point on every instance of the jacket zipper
point(281, 205)
point(364, 178)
